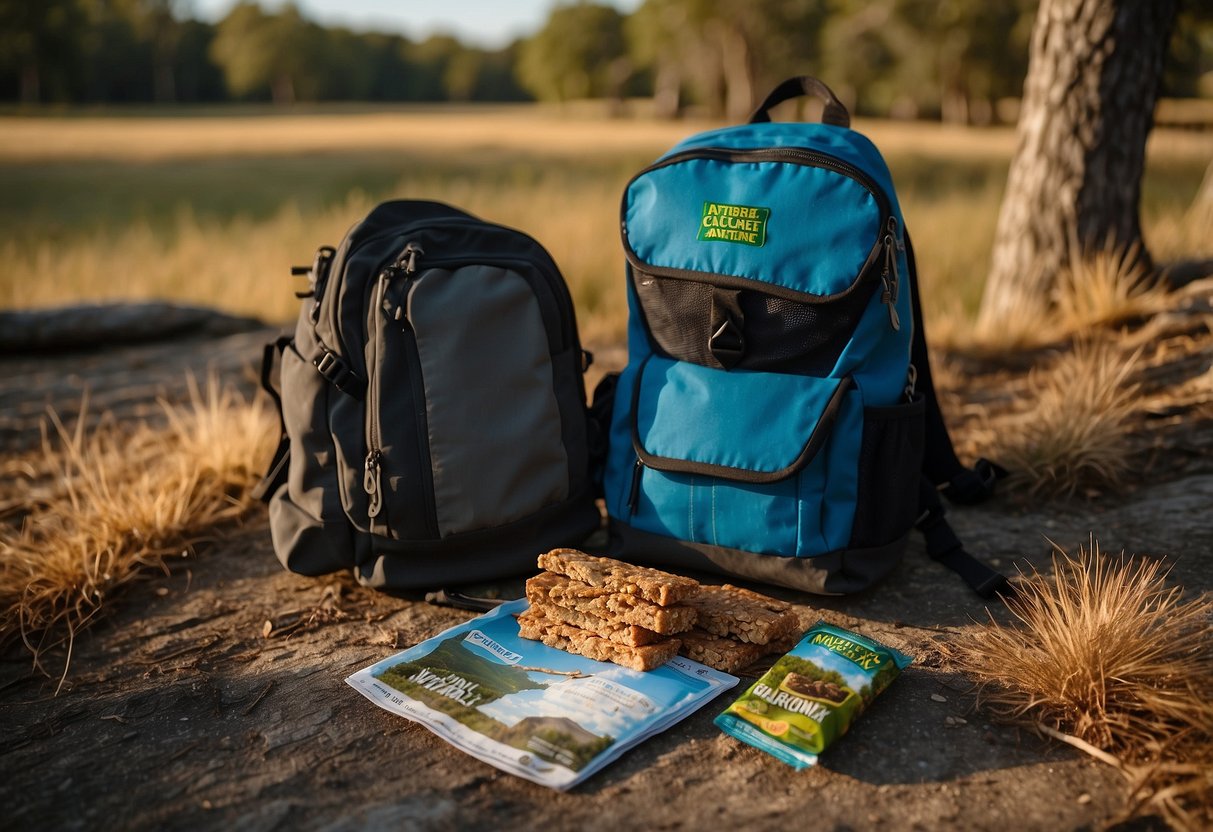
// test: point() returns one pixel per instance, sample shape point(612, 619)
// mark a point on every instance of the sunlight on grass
point(112, 506)
point(1070, 436)
point(1105, 655)
point(212, 210)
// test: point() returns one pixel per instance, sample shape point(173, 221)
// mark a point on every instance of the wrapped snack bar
point(810, 697)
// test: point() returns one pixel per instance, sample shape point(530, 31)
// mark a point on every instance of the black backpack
point(434, 424)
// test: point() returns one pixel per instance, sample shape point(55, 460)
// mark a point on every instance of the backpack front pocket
point(439, 378)
point(756, 461)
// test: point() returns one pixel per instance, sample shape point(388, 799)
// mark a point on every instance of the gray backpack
point(434, 423)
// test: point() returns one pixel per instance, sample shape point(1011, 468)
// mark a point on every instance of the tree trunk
point(1088, 105)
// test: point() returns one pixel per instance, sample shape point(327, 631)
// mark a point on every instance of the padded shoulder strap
point(275, 475)
point(942, 471)
point(961, 485)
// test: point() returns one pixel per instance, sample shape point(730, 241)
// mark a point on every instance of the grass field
point(213, 207)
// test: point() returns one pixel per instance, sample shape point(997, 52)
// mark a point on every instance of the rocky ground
point(213, 698)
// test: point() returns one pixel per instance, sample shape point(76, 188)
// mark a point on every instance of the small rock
point(1084, 799)
point(935, 697)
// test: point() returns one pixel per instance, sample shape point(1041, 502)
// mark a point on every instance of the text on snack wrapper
point(813, 710)
point(865, 657)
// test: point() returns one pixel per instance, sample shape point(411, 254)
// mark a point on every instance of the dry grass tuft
point(1105, 656)
point(118, 504)
point(1105, 286)
point(1072, 436)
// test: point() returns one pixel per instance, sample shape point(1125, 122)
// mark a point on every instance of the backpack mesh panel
point(780, 335)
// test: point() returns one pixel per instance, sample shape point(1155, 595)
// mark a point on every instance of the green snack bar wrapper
point(813, 694)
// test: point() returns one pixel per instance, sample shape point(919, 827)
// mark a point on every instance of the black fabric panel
point(890, 468)
point(939, 463)
point(486, 555)
point(777, 334)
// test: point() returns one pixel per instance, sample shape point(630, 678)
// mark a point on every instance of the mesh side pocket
point(890, 468)
point(777, 334)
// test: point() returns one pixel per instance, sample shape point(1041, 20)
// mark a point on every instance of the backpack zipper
point(887, 241)
point(890, 283)
point(547, 270)
point(405, 265)
point(795, 155)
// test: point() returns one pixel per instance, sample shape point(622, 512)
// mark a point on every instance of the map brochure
point(531, 710)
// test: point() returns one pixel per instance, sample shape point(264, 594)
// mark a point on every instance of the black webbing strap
point(942, 471)
point(275, 475)
point(945, 547)
point(961, 485)
point(338, 373)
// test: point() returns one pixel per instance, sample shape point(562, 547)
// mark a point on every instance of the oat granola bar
point(560, 591)
point(744, 615)
point(661, 588)
point(628, 634)
point(720, 653)
point(535, 625)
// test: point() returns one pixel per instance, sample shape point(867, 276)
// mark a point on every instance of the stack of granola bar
point(641, 618)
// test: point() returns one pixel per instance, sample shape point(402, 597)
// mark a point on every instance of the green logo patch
point(726, 223)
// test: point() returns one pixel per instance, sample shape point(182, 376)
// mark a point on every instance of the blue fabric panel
point(837, 468)
point(804, 515)
point(822, 224)
point(756, 518)
point(739, 419)
point(840, 142)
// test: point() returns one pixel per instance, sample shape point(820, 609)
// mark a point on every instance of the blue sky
point(488, 23)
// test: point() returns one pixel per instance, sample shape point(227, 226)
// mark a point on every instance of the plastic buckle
point(930, 518)
point(330, 365)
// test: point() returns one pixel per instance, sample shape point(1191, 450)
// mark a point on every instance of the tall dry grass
point(1070, 435)
point(108, 506)
point(197, 217)
point(1103, 654)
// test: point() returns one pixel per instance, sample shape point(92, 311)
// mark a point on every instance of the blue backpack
point(776, 420)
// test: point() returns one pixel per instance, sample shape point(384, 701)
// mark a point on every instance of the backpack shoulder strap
point(961, 485)
point(942, 471)
point(276, 474)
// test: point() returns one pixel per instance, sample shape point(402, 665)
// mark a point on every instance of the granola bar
point(744, 615)
point(535, 625)
point(720, 653)
point(661, 588)
point(628, 634)
point(560, 591)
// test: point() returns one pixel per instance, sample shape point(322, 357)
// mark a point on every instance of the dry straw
point(1072, 435)
point(1105, 656)
point(116, 504)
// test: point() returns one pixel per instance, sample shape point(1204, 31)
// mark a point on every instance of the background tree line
point(953, 59)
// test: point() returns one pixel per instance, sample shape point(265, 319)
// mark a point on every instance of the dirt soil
point(213, 697)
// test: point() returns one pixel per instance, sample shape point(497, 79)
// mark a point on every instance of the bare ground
point(213, 697)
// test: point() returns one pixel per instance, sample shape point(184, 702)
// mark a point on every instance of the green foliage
point(581, 52)
point(953, 59)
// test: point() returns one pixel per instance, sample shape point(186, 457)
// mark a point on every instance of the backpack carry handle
point(834, 113)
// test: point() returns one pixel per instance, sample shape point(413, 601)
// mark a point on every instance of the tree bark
point(1093, 76)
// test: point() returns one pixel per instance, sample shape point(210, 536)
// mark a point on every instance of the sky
point(484, 23)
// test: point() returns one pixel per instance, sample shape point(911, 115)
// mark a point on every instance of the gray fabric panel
point(307, 545)
point(312, 476)
point(834, 573)
point(494, 423)
point(488, 554)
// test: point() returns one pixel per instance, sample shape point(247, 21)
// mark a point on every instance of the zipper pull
point(889, 278)
point(405, 264)
point(634, 493)
point(408, 258)
point(370, 483)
